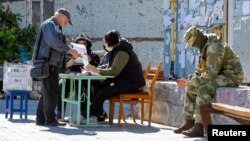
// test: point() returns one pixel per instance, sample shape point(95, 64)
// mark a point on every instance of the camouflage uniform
point(222, 69)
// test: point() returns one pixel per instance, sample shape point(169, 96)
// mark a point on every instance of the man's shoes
point(39, 123)
point(105, 115)
point(55, 123)
point(196, 131)
point(189, 123)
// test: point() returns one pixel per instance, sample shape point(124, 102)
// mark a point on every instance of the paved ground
point(20, 130)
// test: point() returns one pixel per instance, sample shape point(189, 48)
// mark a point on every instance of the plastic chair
point(9, 103)
point(146, 95)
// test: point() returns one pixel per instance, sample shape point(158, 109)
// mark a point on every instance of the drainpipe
point(172, 75)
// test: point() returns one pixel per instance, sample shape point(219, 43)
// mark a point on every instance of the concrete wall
point(169, 103)
point(201, 13)
point(138, 20)
point(241, 32)
point(206, 14)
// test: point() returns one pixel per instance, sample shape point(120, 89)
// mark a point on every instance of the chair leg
point(132, 112)
point(123, 116)
point(7, 98)
point(111, 110)
point(120, 110)
point(21, 107)
point(150, 112)
point(142, 111)
point(11, 105)
point(26, 105)
point(205, 110)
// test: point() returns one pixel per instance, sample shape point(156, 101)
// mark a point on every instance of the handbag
point(40, 69)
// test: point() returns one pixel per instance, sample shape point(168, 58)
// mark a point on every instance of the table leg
point(79, 102)
point(63, 97)
point(88, 102)
point(72, 93)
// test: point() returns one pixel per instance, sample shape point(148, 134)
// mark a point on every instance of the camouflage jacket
point(220, 60)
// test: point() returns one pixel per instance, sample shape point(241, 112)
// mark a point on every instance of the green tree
point(13, 37)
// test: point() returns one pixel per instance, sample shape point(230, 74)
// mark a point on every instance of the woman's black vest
point(131, 77)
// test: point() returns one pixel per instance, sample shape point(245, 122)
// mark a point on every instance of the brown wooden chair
point(146, 95)
point(116, 99)
point(147, 70)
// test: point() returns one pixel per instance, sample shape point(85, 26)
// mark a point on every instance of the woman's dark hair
point(112, 37)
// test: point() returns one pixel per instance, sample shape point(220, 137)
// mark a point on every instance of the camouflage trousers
point(203, 94)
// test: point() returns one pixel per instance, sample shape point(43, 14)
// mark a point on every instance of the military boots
point(189, 123)
point(196, 131)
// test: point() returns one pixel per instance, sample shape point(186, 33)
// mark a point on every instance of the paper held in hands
point(82, 50)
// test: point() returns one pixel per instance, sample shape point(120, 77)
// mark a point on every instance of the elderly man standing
point(51, 44)
point(219, 67)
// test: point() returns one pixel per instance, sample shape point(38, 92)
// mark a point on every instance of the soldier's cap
point(191, 35)
point(66, 13)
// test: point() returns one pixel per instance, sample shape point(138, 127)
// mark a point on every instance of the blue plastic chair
point(9, 105)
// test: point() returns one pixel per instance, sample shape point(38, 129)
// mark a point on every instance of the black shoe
point(105, 115)
point(55, 123)
point(100, 118)
point(196, 131)
point(40, 122)
point(189, 123)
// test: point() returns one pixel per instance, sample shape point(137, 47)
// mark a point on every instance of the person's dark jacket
point(51, 38)
point(131, 77)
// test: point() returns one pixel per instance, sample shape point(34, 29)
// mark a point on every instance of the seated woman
point(123, 65)
point(74, 67)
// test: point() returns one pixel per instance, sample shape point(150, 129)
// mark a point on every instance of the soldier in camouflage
point(219, 67)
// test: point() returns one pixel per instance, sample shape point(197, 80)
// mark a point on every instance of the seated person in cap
point(76, 68)
point(219, 67)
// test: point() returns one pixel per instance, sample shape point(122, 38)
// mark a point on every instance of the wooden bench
point(239, 114)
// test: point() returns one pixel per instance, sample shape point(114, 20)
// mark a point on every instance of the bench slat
point(233, 110)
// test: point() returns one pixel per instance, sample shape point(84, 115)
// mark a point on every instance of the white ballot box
point(17, 77)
